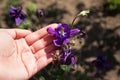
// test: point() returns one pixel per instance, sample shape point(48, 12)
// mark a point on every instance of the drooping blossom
point(62, 34)
point(67, 57)
point(17, 15)
point(100, 62)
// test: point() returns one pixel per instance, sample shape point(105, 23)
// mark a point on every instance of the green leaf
point(116, 1)
point(41, 78)
point(32, 7)
point(57, 72)
point(26, 24)
point(67, 68)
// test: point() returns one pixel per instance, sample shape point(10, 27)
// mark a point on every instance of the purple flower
point(39, 13)
point(62, 34)
point(17, 15)
point(101, 62)
point(67, 57)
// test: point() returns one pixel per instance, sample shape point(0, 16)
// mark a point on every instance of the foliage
point(25, 25)
point(41, 78)
point(31, 8)
point(113, 5)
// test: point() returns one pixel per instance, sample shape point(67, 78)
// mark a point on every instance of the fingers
point(45, 56)
point(45, 60)
point(35, 36)
point(45, 41)
point(17, 33)
point(45, 51)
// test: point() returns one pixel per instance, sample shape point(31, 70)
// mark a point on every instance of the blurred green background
point(102, 26)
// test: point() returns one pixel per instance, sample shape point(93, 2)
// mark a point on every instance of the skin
point(24, 53)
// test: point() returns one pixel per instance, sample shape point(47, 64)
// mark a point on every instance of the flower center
point(62, 31)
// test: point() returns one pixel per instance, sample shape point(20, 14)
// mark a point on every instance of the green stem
point(82, 13)
point(74, 21)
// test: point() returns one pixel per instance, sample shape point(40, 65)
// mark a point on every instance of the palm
point(24, 53)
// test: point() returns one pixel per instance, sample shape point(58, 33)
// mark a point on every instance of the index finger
point(35, 36)
point(17, 33)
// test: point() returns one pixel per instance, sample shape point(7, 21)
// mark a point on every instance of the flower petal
point(22, 16)
point(51, 31)
point(66, 27)
point(18, 21)
point(13, 8)
point(73, 61)
point(57, 42)
point(74, 32)
point(66, 41)
point(12, 11)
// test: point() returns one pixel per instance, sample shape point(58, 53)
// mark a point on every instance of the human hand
point(24, 53)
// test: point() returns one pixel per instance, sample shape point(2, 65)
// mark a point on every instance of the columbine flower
point(63, 39)
point(17, 15)
point(62, 34)
point(100, 62)
point(67, 57)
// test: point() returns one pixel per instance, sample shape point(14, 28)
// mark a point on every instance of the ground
point(103, 28)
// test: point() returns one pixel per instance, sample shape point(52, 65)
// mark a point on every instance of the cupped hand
point(24, 53)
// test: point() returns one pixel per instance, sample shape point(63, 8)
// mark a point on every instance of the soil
point(102, 27)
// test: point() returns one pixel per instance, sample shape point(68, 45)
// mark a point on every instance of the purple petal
point(18, 21)
point(25, 20)
point(74, 32)
point(22, 15)
point(73, 61)
point(65, 26)
point(15, 10)
point(12, 11)
point(58, 27)
point(66, 41)
point(67, 57)
point(51, 31)
point(57, 42)
point(12, 7)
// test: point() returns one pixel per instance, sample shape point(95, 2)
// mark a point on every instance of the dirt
point(103, 28)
